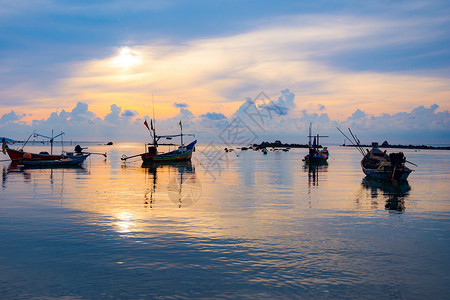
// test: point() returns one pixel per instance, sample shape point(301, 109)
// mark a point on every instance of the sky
point(262, 69)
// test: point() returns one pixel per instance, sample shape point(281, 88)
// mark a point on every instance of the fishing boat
point(380, 165)
point(182, 153)
point(316, 156)
point(43, 159)
point(75, 160)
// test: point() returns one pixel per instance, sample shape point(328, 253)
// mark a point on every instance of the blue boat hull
point(382, 175)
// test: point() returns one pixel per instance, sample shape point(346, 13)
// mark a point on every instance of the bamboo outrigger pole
point(359, 148)
point(356, 140)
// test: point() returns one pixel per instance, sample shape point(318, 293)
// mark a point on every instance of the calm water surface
point(236, 225)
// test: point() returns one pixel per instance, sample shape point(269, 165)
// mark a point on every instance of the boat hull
point(316, 157)
point(173, 156)
point(19, 155)
point(386, 175)
point(63, 162)
point(167, 157)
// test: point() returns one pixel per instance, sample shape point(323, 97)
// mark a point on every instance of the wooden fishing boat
point(63, 162)
point(21, 155)
point(44, 158)
point(316, 156)
point(182, 153)
point(381, 166)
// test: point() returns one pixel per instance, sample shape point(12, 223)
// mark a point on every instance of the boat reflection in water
point(313, 173)
point(177, 178)
point(395, 194)
point(55, 175)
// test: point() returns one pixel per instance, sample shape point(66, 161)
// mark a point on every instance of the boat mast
point(51, 144)
point(62, 143)
point(50, 139)
point(154, 124)
point(154, 137)
point(315, 136)
point(309, 135)
point(181, 135)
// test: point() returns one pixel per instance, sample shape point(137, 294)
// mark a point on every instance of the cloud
point(212, 123)
point(10, 117)
point(301, 52)
point(343, 59)
point(81, 113)
point(420, 125)
point(284, 103)
point(171, 125)
point(114, 116)
point(358, 114)
point(129, 113)
point(118, 117)
point(180, 105)
point(185, 114)
point(262, 115)
point(312, 54)
point(214, 116)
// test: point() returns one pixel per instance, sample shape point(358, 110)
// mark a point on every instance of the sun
point(126, 58)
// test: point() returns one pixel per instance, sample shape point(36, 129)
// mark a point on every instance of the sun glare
point(127, 58)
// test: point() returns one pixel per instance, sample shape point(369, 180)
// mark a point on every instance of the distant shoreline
point(278, 144)
point(420, 147)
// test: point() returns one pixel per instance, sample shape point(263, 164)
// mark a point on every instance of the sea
point(228, 225)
